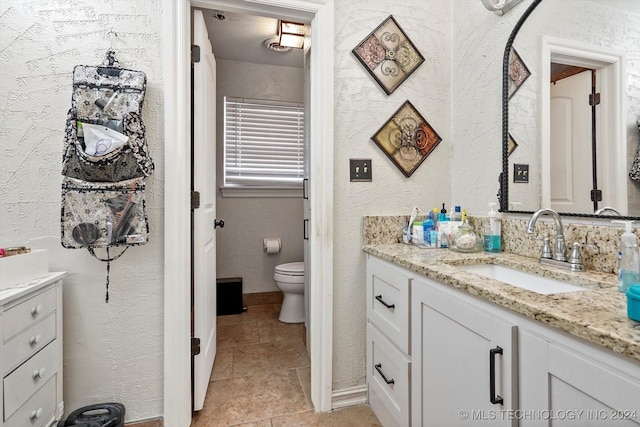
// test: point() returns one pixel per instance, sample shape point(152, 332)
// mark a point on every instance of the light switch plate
point(520, 173)
point(360, 170)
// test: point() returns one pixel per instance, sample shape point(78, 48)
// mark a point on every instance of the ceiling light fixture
point(291, 34)
point(273, 43)
point(500, 7)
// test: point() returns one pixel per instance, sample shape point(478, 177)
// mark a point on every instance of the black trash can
point(98, 415)
point(229, 296)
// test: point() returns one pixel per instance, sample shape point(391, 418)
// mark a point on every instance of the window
point(263, 144)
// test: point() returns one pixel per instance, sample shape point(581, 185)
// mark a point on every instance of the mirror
point(600, 38)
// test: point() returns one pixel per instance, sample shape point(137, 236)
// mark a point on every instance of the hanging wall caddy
point(388, 55)
point(105, 160)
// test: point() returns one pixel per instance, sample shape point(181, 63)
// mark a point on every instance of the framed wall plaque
point(388, 55)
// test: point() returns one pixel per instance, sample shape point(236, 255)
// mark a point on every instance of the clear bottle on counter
point(628, 258)
point(428, 227)
point(456, 215)
point(493, 231)
point(417, 232)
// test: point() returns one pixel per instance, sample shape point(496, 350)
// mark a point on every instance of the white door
point(204, 235)
point(306, 205)
point(571, 176)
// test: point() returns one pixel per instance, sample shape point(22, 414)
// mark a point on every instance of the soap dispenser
point(628, 258)
point(492, 232)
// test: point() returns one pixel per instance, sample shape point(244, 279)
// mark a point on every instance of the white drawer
point(29, 377)
point(39, 410)
point(388, 378)
point(27, 343)
point(27, 312)
point(388, 301)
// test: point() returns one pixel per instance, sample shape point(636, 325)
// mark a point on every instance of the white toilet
point(290, 280)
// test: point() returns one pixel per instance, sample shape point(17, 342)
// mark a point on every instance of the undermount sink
point(520, 279)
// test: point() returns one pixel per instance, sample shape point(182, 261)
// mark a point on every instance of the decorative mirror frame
point(503, 193)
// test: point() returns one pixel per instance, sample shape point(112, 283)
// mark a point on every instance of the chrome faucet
point(602, 211)
point(560, 252)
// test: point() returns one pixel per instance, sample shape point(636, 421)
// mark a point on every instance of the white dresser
point(31, 353)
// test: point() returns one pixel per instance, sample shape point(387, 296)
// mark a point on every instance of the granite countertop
point(598, 315)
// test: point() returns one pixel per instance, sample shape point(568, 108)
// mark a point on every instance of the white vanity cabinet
point(544, 376)
point(388, 358)
point(31, 353)
point(567, 381)
point(464, 359)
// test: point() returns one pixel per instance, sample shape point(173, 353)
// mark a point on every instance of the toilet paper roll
point(272, 246)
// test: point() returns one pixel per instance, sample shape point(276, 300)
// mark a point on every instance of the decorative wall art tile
point(407, 138)
point(518, 72)
point(388, 55)
point(511, 144)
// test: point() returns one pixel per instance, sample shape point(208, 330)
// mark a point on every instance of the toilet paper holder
point(272, 245)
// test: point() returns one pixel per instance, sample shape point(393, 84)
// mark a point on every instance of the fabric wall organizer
point(105, 160)
point(634, 172)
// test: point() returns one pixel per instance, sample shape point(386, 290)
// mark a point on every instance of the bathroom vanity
point(31, 352)
point(446, 346)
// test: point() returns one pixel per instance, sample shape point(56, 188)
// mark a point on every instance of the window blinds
point(263, 142)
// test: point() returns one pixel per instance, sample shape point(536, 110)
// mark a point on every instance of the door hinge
point(195, 199)
point(594, 99)
point(195, 346)
point(596, 195)
point(195, 53)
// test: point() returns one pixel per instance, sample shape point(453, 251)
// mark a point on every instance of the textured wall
point(249, 220)
point(112, 352)
point(476, 75)
point(476, 103)
point(361, 107)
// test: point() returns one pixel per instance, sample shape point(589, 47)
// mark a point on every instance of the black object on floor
point(99, 415)
point(229, 296)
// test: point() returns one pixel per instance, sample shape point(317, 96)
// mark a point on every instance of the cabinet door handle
point(305, 183)
point(492, 376)
point(35, 310)
point(35, 339)
point(389, 306)
point(38, 373)
point(35, 414)
point(384, 377)
point(305, 223)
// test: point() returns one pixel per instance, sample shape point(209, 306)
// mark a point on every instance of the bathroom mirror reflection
point(578, 156)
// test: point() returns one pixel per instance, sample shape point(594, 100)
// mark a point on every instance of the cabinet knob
point(35, 340)
point(38, 373)
point(36, 309)
point(36, 414)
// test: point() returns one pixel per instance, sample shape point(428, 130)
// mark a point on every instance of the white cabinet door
point(464, 361)
point(561, 386)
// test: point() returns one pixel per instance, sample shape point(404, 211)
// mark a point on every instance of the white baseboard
point(349, 396)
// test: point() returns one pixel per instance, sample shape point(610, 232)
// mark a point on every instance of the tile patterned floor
point(262, 377)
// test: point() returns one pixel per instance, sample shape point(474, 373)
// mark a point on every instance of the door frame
point(176, 29)
point(609, 63)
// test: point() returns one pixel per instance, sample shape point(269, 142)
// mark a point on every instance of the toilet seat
point(290, 269)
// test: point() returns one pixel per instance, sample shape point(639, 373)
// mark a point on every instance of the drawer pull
point(384, 377)
point(36, 414)
point(35, 310)
point(38, 373)
point(492, 376)
point(389, 306)
point(35, 340)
